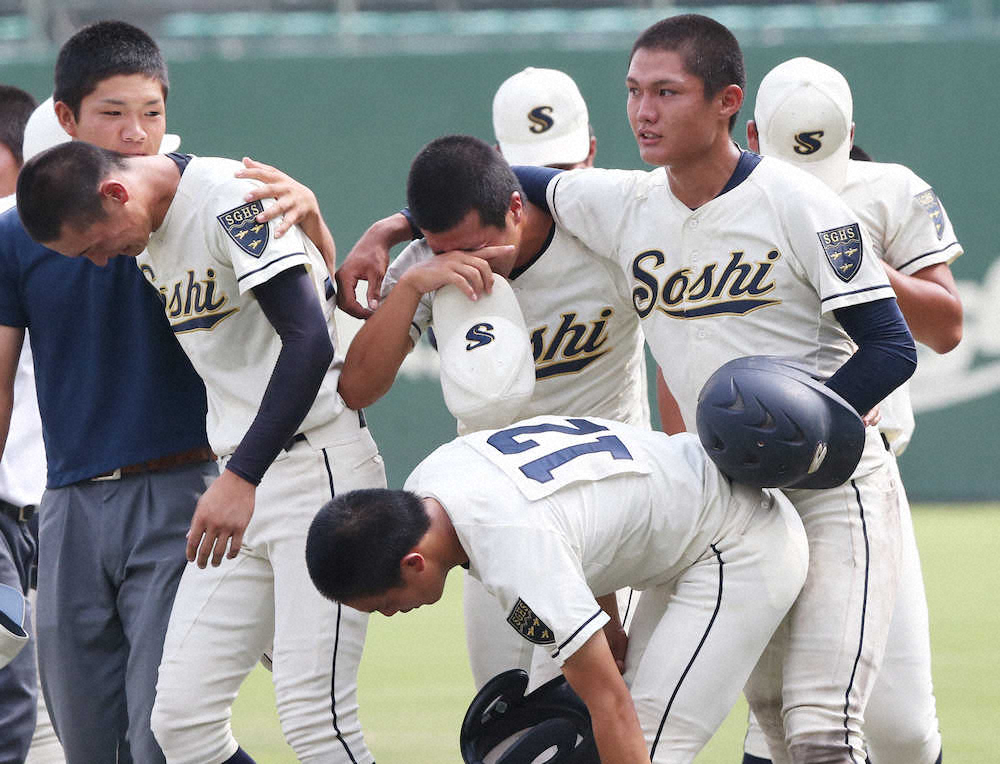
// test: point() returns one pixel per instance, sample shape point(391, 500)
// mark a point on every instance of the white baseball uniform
point(589, 360)
point(205, 259)
point(720, 564)
point(760, 270)
point(909, 230)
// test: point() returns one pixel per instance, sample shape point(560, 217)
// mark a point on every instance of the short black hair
point(358, 539)
point(103, 50)
point(15, 107)
point(454, 174)
point(858, 154)
point(60, 187)
point(709, 50)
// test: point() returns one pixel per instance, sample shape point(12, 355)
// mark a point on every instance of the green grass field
point(415, 682)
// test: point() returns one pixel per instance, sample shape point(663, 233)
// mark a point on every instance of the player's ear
point(852, 133)
point(516, 206)
point(413, 562)
point(753, 139)
point(114, 190)
point(730, 99)
point(66, 119)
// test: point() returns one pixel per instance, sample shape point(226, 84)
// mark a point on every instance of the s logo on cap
point(808, 142)
point(541, 119)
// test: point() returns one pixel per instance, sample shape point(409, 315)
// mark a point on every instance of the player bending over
point(525, 510)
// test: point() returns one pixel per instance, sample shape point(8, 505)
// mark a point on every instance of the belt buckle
point(113, 475)
point(24, 513)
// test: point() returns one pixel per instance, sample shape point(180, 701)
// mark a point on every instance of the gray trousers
point(18, 679)
point(110, 556)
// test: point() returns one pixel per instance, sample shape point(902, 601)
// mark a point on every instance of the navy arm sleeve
point(290, 304)
point(534, 181)
point(886, 356)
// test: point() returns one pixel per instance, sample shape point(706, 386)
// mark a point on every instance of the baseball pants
point(814, 680)
point(225, 618)
point(19, 678)
point(111, 553)
point(45, 745)
point(693, 643)
point(901, 724)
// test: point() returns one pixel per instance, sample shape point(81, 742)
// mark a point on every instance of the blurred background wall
point(341, 95)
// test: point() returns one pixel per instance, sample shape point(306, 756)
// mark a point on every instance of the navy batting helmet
point(550, 720)
point(766, 422)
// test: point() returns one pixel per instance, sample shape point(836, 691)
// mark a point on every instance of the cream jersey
point(587, 344)
point(205, 259)
point(531, 512)
point(757, 270)
point(910, 230)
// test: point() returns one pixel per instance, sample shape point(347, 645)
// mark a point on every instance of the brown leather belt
point(160, 464)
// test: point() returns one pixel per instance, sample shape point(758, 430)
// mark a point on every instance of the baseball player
point(528, 516)
point(803, 114)
point(126, 450)
point(250, 313)
point(588, 350)
point(539, 119)
point(728, 253)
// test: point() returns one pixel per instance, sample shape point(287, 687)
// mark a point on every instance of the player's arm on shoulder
point(11, 339)
point(592, 673)
point(931, 305)
point(368, 261)
point(295, 202)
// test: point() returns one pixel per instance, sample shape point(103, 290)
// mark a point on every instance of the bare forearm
point(931, 306)
point(379, 349)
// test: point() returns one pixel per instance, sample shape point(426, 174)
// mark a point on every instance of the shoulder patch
point(932, 206)
point(843, 249)
point(241, 225)
point(529, 625)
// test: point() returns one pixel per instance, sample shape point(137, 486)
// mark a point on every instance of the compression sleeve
point(534, 181)
point(886, 356)
point(290, 304)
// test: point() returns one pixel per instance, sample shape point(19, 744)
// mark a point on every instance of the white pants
point(224, 619)
point(693, 644)
point(813, 682)
point(900, 722)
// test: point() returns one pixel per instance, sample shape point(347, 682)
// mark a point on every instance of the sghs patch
point(529, 625)
point(932, 206)
point(843, 249)
point(240, 223)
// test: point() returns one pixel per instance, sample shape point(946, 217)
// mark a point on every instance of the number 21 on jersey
point(544, 454)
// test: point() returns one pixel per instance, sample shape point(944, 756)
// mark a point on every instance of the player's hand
point(295, 201)
point(367, 261)
point(220, 519)
point(618, 642)
point(469, 271)
point(873, 417)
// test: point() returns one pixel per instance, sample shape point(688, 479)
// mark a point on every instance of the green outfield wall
point(348, 126)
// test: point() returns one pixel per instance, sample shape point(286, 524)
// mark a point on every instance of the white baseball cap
point(540, 118)
point(804, 114)
point(43, 131)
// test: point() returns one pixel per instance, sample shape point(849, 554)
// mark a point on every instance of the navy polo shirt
point(114, 386)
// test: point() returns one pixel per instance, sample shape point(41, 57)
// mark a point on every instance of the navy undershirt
point(289, 302)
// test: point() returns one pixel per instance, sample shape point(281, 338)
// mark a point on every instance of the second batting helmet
point(766, 422)
point(550, 717)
